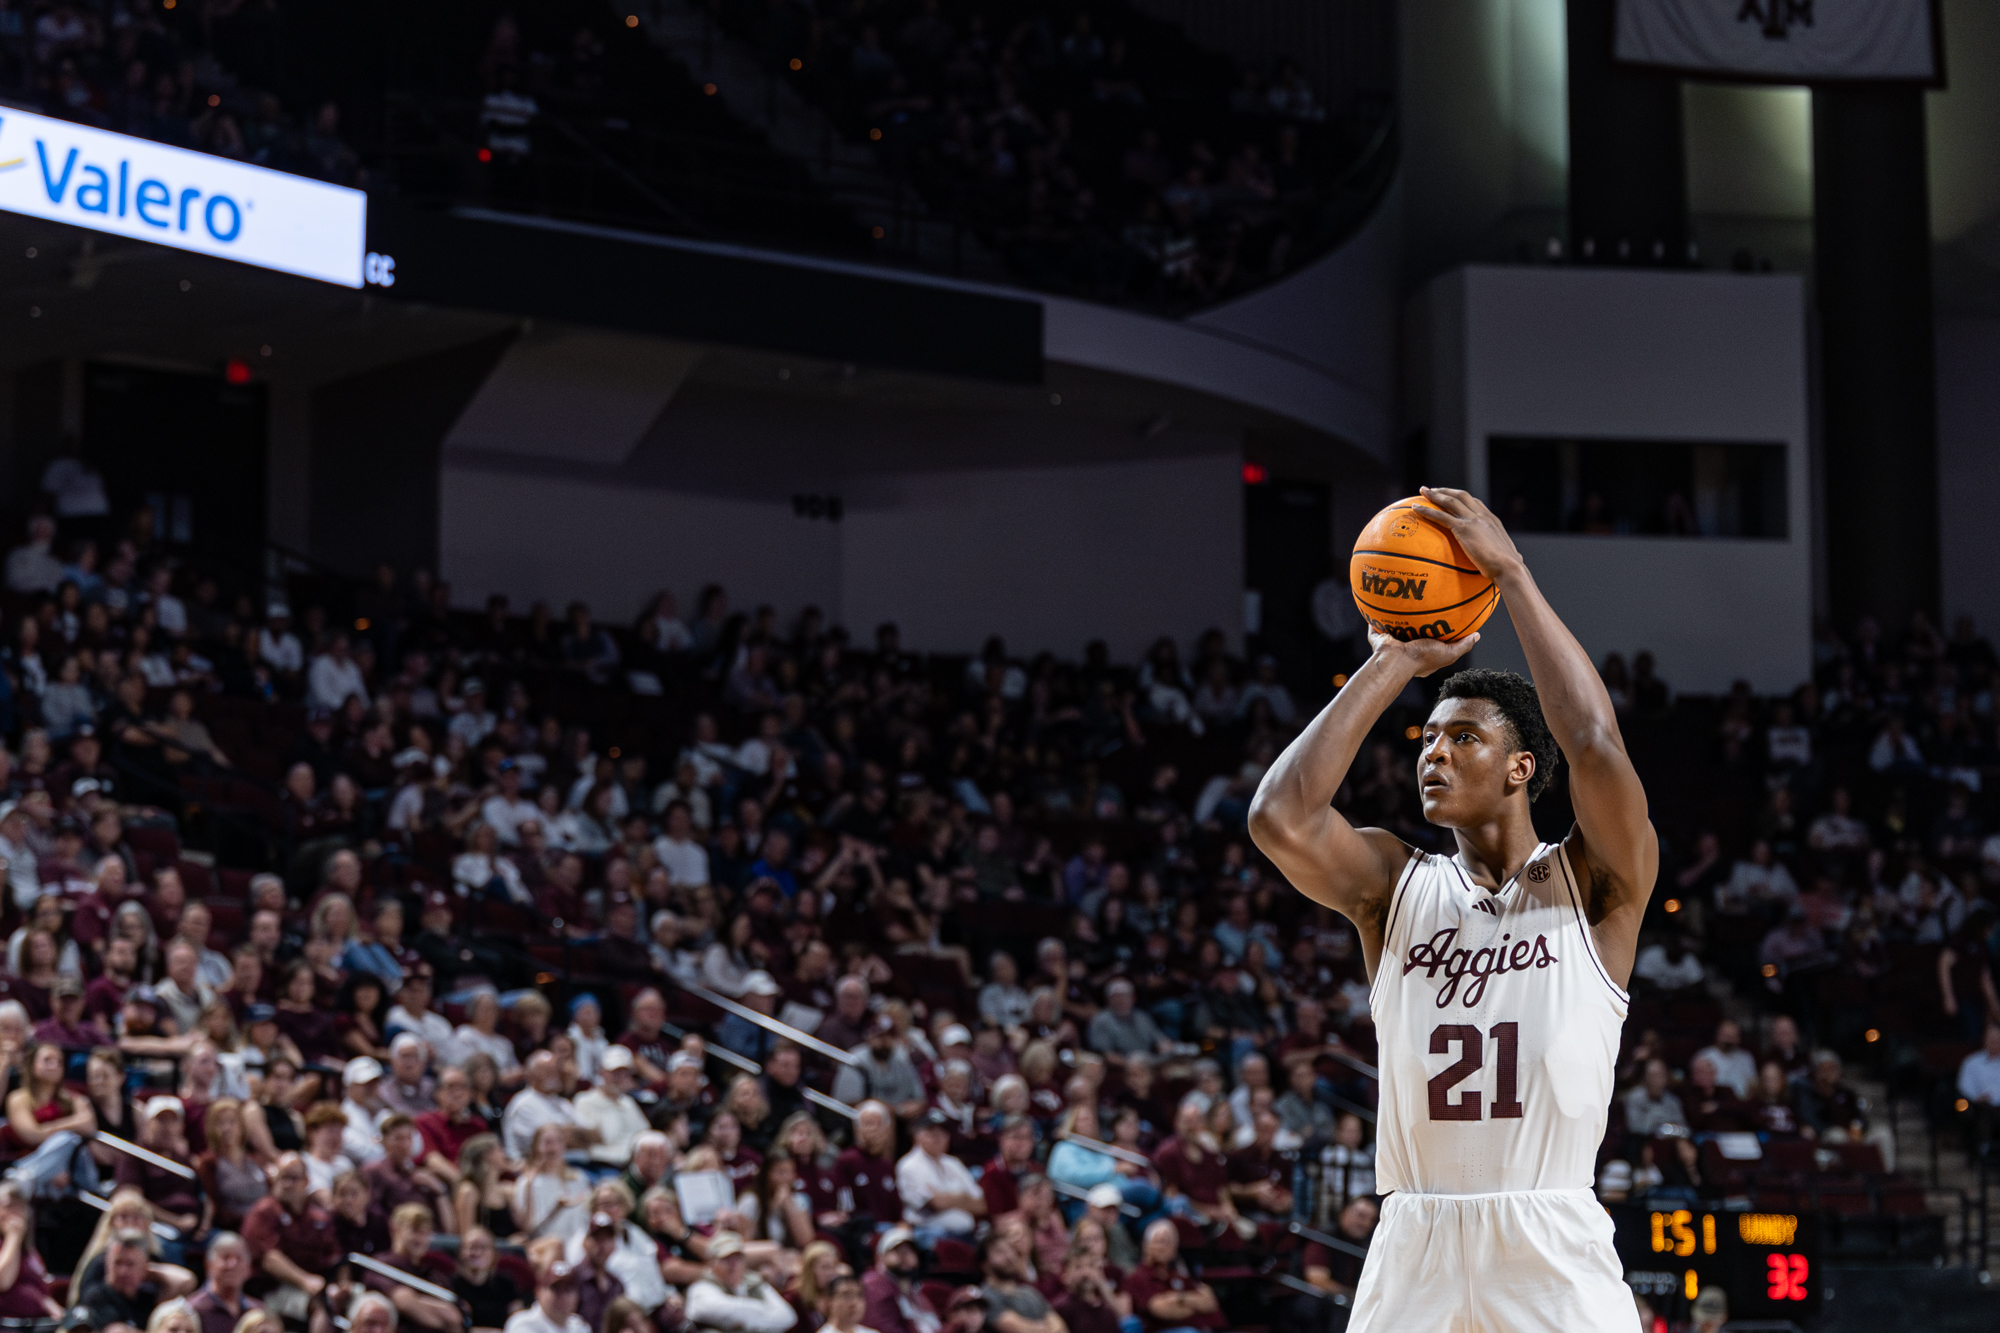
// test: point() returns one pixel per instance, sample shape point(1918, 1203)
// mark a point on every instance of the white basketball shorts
point(1493, 1263)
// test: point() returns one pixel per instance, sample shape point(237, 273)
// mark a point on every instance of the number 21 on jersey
point(1472, 1057)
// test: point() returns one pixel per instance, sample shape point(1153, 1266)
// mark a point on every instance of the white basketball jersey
point(1498, 1028)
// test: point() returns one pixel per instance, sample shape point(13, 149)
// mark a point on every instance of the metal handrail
point(1069, 1191)
point(769, 1024)
point(1361, 1067)
point(409, 1280)
point(1111, 1150)
point(146, 1155)
point(748, 1066)
point(1331, 1242)
point(160, 1229)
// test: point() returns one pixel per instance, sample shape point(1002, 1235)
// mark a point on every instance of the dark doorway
point(191, 448)
point(1288, 537)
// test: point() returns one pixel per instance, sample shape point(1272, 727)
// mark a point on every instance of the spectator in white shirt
point(365, 1110)
point(609, 1109)
point(1979, 1073)
point(542, 1103)
point(474, 721)
point(277, 647)
point(413, 1013)
point(1761, 879)
point(1734, 1066)
point(169, 612)
point(1838, 830)
point(1670, 965)
point(728, 1298)
point(1652, 1103)
point(685, 859)
point(1894, 748)
point(335, 677)
point(940, 1197)
point(506, 810)
point(686, 786)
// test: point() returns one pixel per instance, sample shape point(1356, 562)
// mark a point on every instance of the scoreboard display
point(1766, 1263)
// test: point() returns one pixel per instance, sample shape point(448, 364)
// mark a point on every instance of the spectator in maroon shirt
point(896, 1302)
point(410, 1234)
point(1164, 1294)
point(292, 1240)
point(68, 1026)
point(105, 995)
point(447, 1130)
point(1000, 1181)
point(1335, 1272)
point(867, 1171)
point(650, 1046)
point(396, 1178)
point(1192, 1169)
point(26, 1294)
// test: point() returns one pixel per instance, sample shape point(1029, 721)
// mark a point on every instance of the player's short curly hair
point(1515, 698)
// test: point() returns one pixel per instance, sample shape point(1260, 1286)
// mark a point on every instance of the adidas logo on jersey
point(1485, 905)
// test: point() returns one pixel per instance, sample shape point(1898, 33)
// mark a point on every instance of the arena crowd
point(714, 972)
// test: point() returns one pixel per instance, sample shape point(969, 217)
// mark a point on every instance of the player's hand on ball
point(1475, 526)
point(1423, 655)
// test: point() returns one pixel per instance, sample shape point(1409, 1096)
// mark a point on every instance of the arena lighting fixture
point(145, 191)
point(1340, 680)
point(1411, 733)
point(236, 371)
point(1255, 474)
point(1872, 1035)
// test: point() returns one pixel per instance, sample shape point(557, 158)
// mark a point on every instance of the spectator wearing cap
point(541, 1103)
point(940, 1197)
point(67, 1025)
point(1104, 1205)
point(610, 1111)
point(597, 1286)
point(883, 1072)
point(408, 1087)
point(1121, 1028)
point(475, 721)
point(506, 809)
point(687, 1093)
point(730, 1299)
point(556, 1299)
point(174, 1199)
point(896, 1301)
point(736, 1033)
point(364, 1108)
point(278, 648)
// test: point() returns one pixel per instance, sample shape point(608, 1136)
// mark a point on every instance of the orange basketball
point(1412, 580)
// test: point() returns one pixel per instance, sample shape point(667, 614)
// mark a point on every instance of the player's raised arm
point(1622, 849)
point(1292, 818)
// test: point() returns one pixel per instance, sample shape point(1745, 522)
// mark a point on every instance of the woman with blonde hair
point(552, 1197)
point(818, 1266)
point(174, 1316)
point(335, 922)
point(129, 1211)
point(259, 1321)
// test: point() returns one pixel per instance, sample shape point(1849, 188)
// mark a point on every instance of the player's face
point(1464, 769)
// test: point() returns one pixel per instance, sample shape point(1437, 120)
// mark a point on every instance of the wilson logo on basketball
point(1389, 585)
point(1436, 955)
point(1538, 871)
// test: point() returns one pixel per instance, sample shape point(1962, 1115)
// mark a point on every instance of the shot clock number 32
point(1768, 1263)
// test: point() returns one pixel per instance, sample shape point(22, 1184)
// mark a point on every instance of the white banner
point(171, 196)
point(1795, 41)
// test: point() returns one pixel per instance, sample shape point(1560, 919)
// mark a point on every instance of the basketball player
point(1498, 971)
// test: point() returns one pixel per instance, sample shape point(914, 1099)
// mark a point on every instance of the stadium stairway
point(851, 173)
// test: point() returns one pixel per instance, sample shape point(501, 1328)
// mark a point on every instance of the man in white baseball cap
point(610, 1109)
point(730, 1299)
